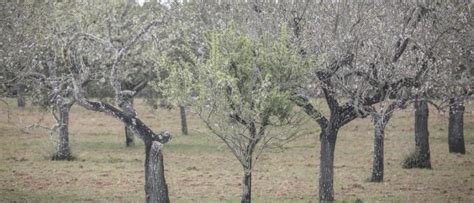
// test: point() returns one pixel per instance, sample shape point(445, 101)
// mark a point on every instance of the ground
point(199, 168)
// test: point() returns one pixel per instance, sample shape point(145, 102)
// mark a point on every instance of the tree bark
point(184, 123)
point(456, 126)
point(63, 151)
point(326, 178)
point(129, 135)
point(422, 150)
point(156, 188)
point(20, 95)
point(378, 162)
point(247, 186)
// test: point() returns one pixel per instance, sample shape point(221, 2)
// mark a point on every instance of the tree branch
point(309, 109)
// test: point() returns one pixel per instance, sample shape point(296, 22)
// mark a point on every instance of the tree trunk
point(184, 123)
point(422, 135)
point(155, 184)
point(20, 95)
point(456, 128)
point(129, 136)
point(326, 178)
point(63, 151)
point(247, 186)
point(378, 162)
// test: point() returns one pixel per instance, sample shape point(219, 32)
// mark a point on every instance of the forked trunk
point(422, 152)
point(184, 123)
point(156, 188)
point(456, 126)
point(378, 162)
point(129, 136)
point(326, 179)
point(63, 151)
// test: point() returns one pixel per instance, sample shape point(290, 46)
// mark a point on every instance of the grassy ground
point(199, 168)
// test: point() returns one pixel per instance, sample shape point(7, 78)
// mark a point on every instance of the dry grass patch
point(199, 167)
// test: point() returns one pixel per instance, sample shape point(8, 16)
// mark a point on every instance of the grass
point(199, 168)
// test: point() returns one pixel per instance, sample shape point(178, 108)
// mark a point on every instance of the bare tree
point(155, 184)
point(17, 51)
point(89, 56)
point(366, 56)
point(119, 25)
point(41, 67)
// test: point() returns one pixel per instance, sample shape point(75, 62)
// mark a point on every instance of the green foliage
point(252, 74)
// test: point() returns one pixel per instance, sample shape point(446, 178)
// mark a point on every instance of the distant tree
point(17, 52)
point(119, 25)
point(453, 83)
point(441, 43)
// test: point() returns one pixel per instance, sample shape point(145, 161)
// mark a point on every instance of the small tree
point(239, 94)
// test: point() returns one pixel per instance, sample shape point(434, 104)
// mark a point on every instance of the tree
point(87, 56)
point(17, 41)
point(239, 97)
point(362, 64)
point(42, 67)
point(441, 44)
point(453, 83)
point(155, 184)
point(120, 24)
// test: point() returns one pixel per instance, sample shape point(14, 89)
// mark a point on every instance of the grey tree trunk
point(184, 123)
point(63, 151)
point(378, 162)
point(422, 150)
point(456, 126)
point(156, 188)
point(20, 95)
point(247, 187)
point(326, 167)
point(129, 135)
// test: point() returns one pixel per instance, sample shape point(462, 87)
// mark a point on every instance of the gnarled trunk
point(378, 162)
point(129, 135)
point(184, 123)
point(456, 126)
point(20, 95)
point(422, 151)
point(63, 151)
point(326, 167)
point(156, 188)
